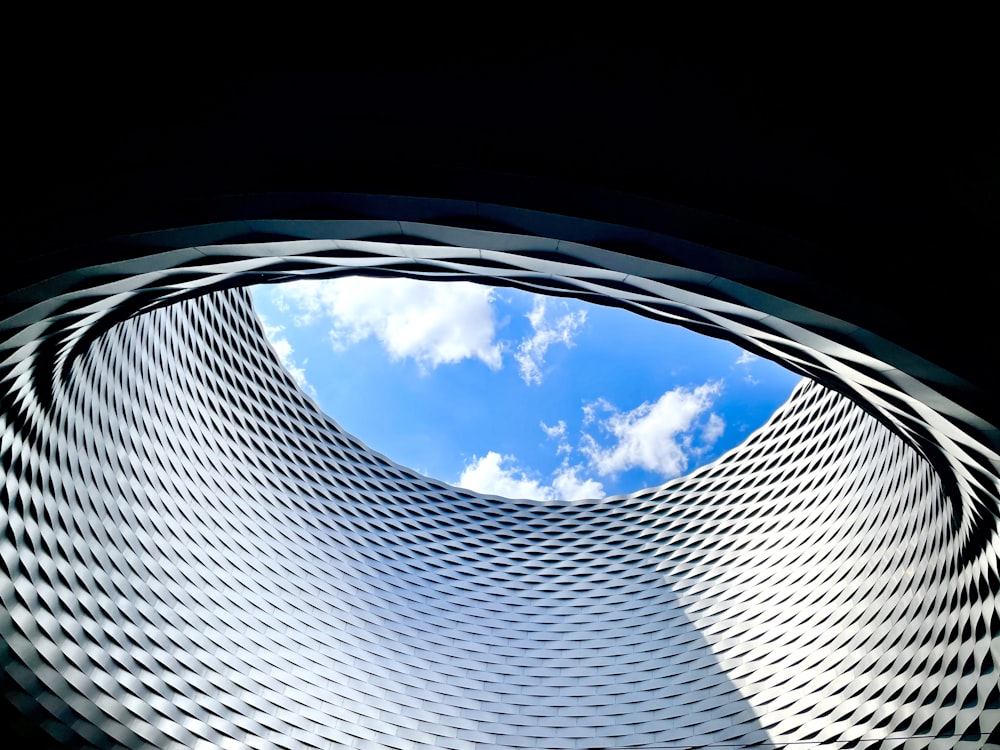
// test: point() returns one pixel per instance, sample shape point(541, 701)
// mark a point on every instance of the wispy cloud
point(284, 350)
point(557, 432)
point(590, 410)
point(712, 430)
point(531, 351)
point(745, 360)
point(660, 437)
point(430, 323)
point(496, 474)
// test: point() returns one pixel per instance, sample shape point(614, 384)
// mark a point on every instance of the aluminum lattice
point(196, 556)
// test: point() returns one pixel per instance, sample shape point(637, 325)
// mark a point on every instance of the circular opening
point(513, 393)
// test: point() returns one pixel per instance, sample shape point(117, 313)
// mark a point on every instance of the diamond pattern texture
point(194, 556)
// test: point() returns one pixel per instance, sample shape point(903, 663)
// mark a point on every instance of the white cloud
point(284, 350)
point(270, 331)
point(746, 358)
point(556, 431)
point(494, 474)
point(657, 437)
point(431, 323)
point(712, 430)
point(489, 476)
point(531, 352)
point(590, 410)
point(570, 487)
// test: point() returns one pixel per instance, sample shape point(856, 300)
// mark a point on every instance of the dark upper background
point(879, 184)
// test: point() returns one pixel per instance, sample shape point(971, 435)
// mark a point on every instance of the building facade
point(194, 556)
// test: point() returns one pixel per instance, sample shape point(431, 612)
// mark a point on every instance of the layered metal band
point(195, 556)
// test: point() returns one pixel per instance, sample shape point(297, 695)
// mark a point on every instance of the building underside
point(194, 555)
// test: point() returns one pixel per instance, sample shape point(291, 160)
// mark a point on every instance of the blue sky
point(516, 394)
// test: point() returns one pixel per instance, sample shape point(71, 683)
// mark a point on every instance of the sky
point(516, 394)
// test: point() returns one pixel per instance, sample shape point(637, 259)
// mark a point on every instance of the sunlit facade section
point(195, 556)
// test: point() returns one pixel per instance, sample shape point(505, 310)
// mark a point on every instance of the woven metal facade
point(192, 556)
point(195, 556)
